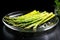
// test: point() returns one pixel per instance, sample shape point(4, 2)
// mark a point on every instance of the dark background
point(23, 5)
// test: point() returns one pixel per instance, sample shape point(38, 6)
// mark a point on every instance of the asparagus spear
point(38, 17)
point(10, 22)
point(24, 24)
point(31, 18)
point(51, 15)
point(49, 18)
point(34, 17)
point(17, 18)
point(43, 22)
point(38, 22)
point(28, 18)
point(28, 15)
point(28, 27)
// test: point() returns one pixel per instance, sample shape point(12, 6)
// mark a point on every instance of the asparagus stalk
point(28, 18)
point(24, 24)
point(44, 22)
point(10, 22)
point(48, 17)
point(28, 27)
point(32, 13)
point(32, 18)
point(28, 15)
point(38, 22)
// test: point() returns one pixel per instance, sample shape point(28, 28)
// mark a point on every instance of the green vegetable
point(42, 16)
point(57, 7)
point(38, 19)
point(44, 20)
point(30, 20)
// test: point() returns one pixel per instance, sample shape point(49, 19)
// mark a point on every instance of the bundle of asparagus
point(30, 20)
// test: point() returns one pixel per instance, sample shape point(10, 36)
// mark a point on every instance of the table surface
point(54, 35)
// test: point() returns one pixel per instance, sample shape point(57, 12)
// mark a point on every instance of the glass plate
point(44, 27)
